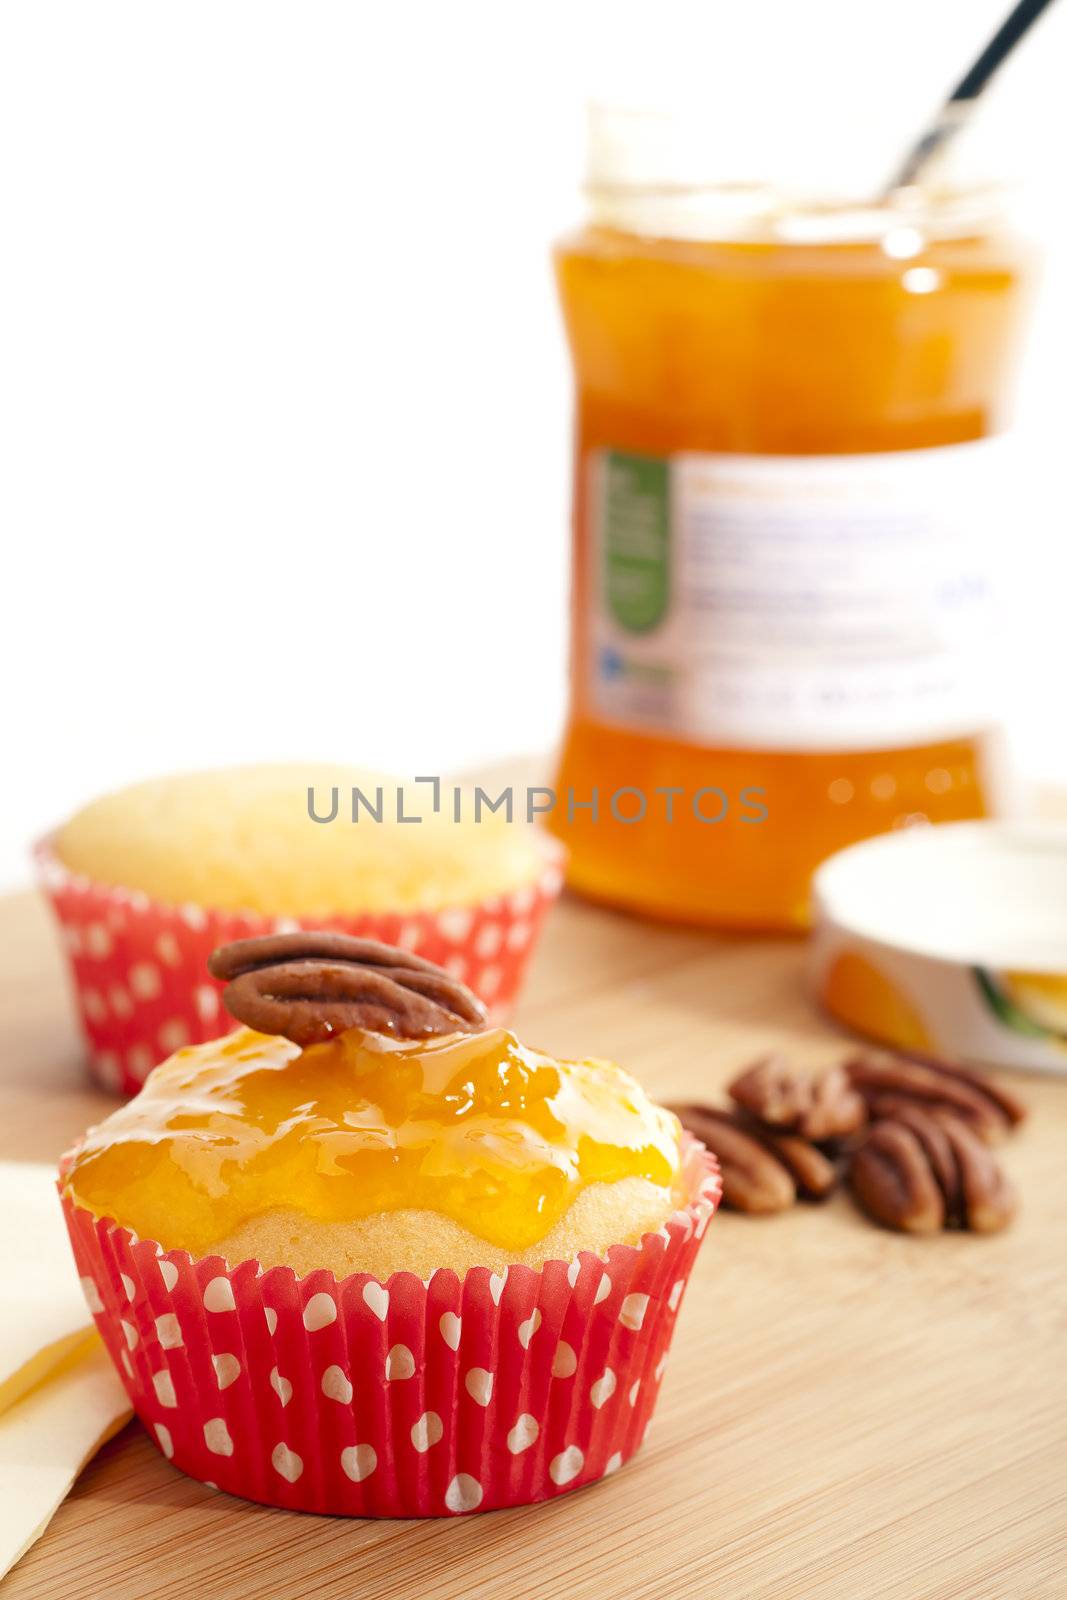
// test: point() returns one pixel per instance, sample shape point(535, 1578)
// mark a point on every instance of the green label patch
point(636, 529)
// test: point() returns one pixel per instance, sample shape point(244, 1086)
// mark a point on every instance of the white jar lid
point(950, 941)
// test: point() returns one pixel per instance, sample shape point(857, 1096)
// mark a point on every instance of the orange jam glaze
point(475, 1127)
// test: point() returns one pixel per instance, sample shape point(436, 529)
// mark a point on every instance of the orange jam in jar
point(475, 1127)
point(784, 492)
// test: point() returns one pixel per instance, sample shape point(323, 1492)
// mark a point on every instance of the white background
point(284, 403)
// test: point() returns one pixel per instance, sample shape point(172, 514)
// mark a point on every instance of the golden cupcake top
point(298, 841)
point(366, 1090)
point(474, 1127)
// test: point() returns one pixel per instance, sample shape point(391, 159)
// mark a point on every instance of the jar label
point(794, 602)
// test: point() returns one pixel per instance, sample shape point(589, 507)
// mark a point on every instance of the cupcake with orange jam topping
point(368, 1256)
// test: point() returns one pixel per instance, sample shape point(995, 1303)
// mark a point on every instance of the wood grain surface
point(849, 1415)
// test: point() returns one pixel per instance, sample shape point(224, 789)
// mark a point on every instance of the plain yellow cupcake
point(242, 839)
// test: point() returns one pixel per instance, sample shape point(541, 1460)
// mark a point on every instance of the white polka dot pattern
point(523, 1434)
point(529, 1327)
point(145, 980)
point(139, 1061)
point(632, 1311)
point(399, 1399)
point(217, 1436)
point(464, 1493)
point(168, 1331)
point(456, 925)
point(602, 1390)
point(565, 1467)
point(479, 1385)
point(227, 1369)
point(399, 1363)
point(286, 1462)
point(319, 1312)
point(140, 967)
point(120, 1002)
point(489, 940)
point(163, 1384)
point(497, 1280)
point(92, 1296)
point(93, 1005)
point(427, 1431)
point(377, 1299)
point(173, 1035)
point(336, 1385)
point(206, 1000)
point(97, 942)
point(564, 1362)
point(107, 1070)
point(358, 1461)
point(281, 1386)
point(218, 1295)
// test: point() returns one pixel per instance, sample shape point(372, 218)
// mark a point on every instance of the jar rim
point(759, 212)
point(651, 173)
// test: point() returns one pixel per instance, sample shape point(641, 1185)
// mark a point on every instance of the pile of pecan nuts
point(912, 1139)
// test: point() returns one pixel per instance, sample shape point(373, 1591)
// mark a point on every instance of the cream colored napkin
point(59, 1397)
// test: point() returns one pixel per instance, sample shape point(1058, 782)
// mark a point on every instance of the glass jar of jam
point(786, 486)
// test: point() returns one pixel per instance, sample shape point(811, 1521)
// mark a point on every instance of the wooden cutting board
point(848, 1414)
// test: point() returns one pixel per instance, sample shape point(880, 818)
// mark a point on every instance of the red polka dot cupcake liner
point(398, 1399)
point(139, 967)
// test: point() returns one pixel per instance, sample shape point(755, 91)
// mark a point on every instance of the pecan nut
point(814, 1174)
point(817, 1108)
point(925, 1124)
point(1013, 1109)
point(985, 1200)
point(922, 1148)
point(875, 1077)
point(893, 1180)
point(310, 986)
point(752, 1179)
